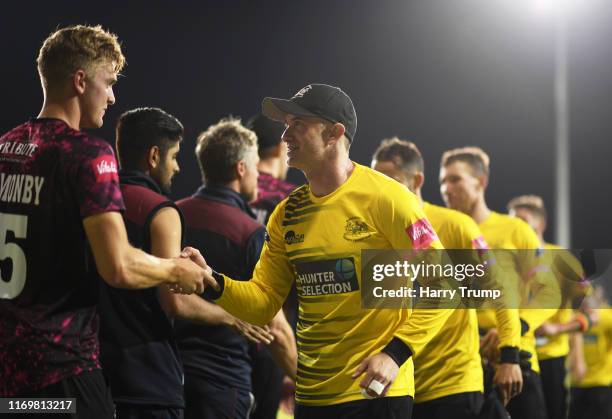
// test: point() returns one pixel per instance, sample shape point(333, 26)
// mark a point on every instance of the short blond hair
point(531, 203)
point(77, 47)
point(475, 157)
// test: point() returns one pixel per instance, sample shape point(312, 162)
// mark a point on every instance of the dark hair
point(140, 129)
point(404, 154)
point(475, 157)
point(221, 147)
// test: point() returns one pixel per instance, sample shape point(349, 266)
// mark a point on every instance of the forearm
point(283, 348)
point(135, 269)
point(251, 301)
point(194, 308)
point(508, 327)
point(412, 336)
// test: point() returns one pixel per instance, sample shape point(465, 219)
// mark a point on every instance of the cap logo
point(302, 92)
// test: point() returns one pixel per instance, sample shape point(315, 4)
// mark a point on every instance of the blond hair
point(531, 203)
point(475, 157)
point(77, 47)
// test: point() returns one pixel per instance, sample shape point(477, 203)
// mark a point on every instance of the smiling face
point(459, 187)
point(97, 95)
point(304, 139)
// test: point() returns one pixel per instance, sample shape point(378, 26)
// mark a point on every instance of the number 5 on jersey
point(12, 258)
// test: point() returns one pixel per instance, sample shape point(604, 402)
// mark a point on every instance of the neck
point(66, 111)
point(420, 196)
point(329, 176)
point(234, 185)
point(480, 211)
point(272, 167)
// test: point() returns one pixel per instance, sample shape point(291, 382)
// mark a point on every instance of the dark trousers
point(552, 373)
point(456, 406)
point(267, 383)
point(206, 400)
point(591, 403)
point(93, 396)
point(385, 407)
point(530, 403)
point(132, 411)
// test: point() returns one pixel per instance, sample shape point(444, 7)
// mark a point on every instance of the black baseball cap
point(317, 100)
point(268, 132)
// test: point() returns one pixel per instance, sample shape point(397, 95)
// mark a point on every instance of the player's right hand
point(509, 380)
point(190, 277)
point(195, 256)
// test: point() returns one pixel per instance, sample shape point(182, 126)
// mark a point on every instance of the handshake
point(191, 273)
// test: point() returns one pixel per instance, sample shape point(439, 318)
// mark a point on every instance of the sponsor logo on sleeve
point(421, 234)
point(480, 243)
point(105, 169)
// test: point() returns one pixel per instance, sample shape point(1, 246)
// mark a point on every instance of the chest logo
point(291, 237)
point(356, 229)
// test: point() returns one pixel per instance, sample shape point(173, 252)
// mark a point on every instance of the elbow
point(114, 276)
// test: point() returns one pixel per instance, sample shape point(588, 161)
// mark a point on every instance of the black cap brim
point(278, 109)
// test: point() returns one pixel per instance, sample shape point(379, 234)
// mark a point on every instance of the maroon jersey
point(270, 191)
point(51, 178)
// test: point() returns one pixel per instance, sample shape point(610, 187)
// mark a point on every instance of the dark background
point(442, 73)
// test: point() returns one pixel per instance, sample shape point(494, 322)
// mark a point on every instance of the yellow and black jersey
point(450, 363)
point(598, 352)
point(317, 242)
point(522, 273)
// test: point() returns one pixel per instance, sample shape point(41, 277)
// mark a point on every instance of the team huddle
point(210, 307)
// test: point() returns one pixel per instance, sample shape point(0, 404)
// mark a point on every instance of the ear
point(79, 81)
point(240, 169)
point(153, 157)
point(417, 180)
point(483, 181)
point(336, 131)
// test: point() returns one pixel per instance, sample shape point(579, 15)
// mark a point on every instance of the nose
point(284, 136)
point(111, 96)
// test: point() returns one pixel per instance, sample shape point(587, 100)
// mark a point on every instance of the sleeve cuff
point(509, 355)
point(398, 351)
point(524, 327)
point(210, 293)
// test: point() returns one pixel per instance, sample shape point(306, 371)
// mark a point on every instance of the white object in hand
point(375, 386)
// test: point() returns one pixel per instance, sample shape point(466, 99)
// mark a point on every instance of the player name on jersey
point(19, 188)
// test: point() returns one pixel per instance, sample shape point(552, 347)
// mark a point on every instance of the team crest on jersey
point(356, 229)
point(302, 92)
point(105, 169)
point(291, 237)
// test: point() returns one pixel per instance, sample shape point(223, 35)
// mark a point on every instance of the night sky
point(443, 74)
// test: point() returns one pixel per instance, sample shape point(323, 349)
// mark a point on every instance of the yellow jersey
point(317, 242)
point(451, 363)
point(557, 346)
point(509, 233)
point(598, 352)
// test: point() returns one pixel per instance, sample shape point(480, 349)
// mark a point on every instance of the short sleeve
point(96, 180)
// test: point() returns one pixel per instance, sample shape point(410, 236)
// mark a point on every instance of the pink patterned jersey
point(51, 178)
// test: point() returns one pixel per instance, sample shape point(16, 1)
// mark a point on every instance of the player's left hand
point(381, 368)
